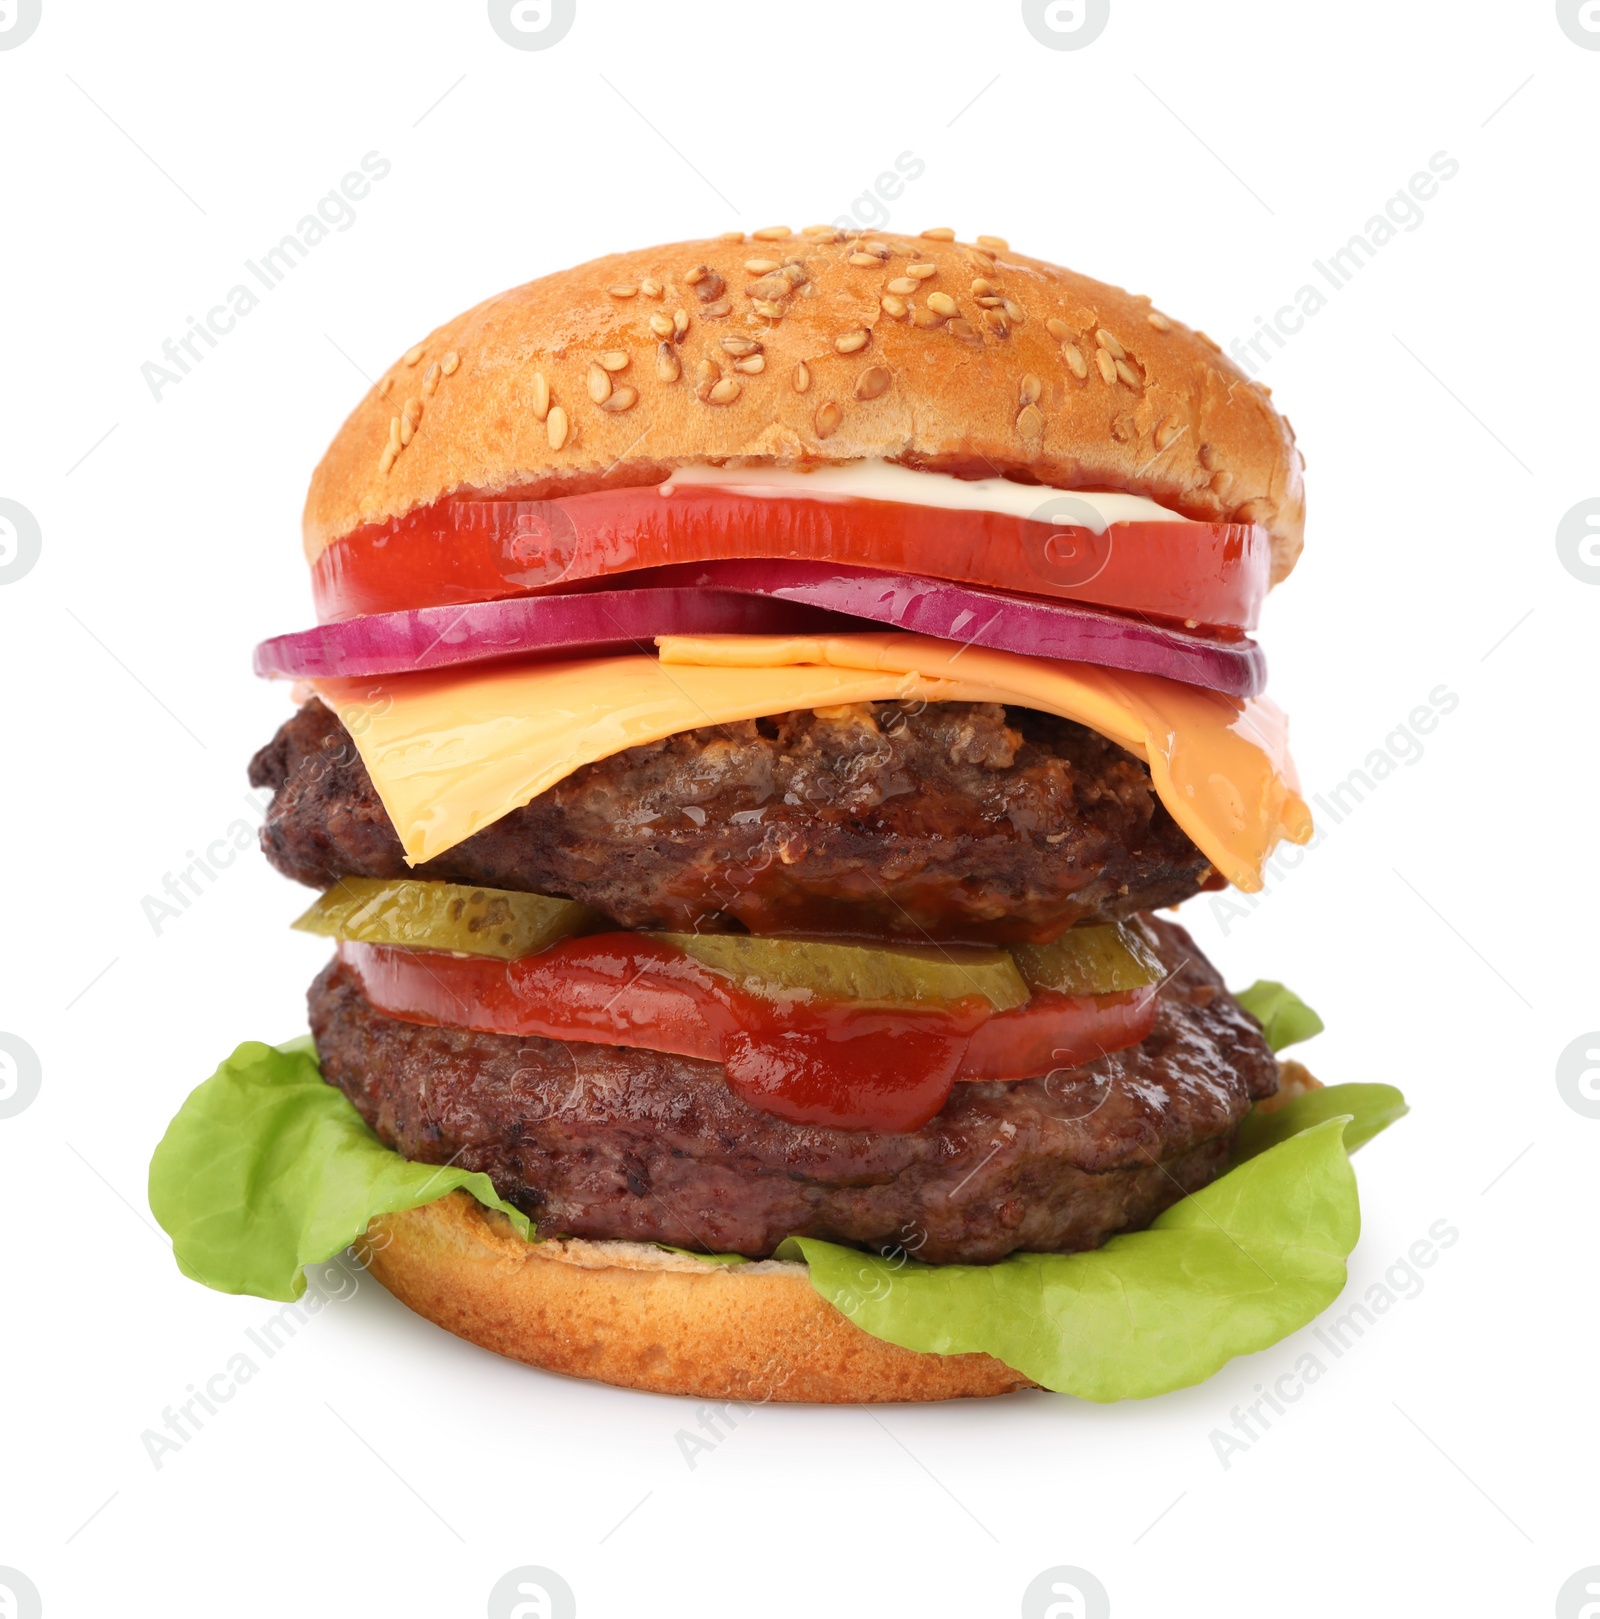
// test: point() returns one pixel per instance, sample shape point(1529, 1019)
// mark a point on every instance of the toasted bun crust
point(847, 363)
point(644, 1318)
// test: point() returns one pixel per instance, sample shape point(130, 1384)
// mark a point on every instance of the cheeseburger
point(764, 690)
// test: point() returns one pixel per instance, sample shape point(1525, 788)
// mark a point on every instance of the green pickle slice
point(445, 916)
point(893, 975)
point(1100, 959)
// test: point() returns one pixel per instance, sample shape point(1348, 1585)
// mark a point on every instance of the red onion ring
point(756, 598)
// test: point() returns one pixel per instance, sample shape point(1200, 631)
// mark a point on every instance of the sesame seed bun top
point(812, 348)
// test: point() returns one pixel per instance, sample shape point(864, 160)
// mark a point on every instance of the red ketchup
point(843, 1064)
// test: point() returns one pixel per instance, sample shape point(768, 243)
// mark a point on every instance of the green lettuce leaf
point(705, 1259)
point(267, 1168)
point(1229, 1270)
point(1370, 1108)
point(1285, 1019)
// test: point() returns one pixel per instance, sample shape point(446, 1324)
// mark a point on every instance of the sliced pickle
point(445, 916)
point(1100, 959)
point(885, 975)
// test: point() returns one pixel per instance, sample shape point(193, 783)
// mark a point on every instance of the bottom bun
point(646, 1318)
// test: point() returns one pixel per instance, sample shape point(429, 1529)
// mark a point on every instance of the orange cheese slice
point(451, 753)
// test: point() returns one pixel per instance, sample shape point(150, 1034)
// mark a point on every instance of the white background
point(1205, 154)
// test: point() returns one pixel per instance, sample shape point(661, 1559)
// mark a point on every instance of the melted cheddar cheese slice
point(451, 753)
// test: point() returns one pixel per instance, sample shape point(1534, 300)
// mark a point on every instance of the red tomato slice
point(465, 550)
point(837, 1064)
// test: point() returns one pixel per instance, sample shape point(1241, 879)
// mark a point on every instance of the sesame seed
point(922, 271)
point(1108, 366)
point(650, 287)
point(966, 332)
point(752, 365)
point(991, 301)
point(943, 304)
point(1029, 389)
point(1110, 344)
point(1221, 484)
point(1058, 329)
point(741, 345)
point(735, 235)
point(852, 342)
point(771, 233)
point(430, 380)
point(873, 381)
point(761, 266)
point(1030, 421)
point(661, 325)
point(981, 287)
point(394, 434)
point(709, 286)
point(903, 285)
point(599, 383)
point(450, 363)
point(794, 272)
point(624, 398)
point(556, 427)
point(413, 355)
point(1166, 431)
point(386, 460)
point(719, 308)
point(770, 286)
point(1076, 364)
point(984, 254)
point(410, 415)
point(940, 233)
point(926, 318)
point(693, 276)
point(827, 418)
point(995, 320)
point(998, 243)
point(724, 392)
point(769, 309)
point(1159, 321)
point(1014, 311)
point(614, 360)
point(1210, 457)
point(893, 306)
point(800, 377)
point(869, 259)
point(541, 396)
point(829, 231)
point(680, 322)
point(706, 372)
point(1129, 376)
point(622, 290)
point(668, 368)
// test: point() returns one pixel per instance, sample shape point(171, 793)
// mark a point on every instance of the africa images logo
point(532, 1592)
point(532, 25)
point(1066, 1593)
point(20, 539)
point(18, 19)
point(19, 1596)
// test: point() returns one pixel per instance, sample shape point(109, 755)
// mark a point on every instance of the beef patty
point(955, 820)
point(604, 1141)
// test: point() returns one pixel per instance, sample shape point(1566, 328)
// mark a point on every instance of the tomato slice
point(839, 1064)
point(466, 550)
